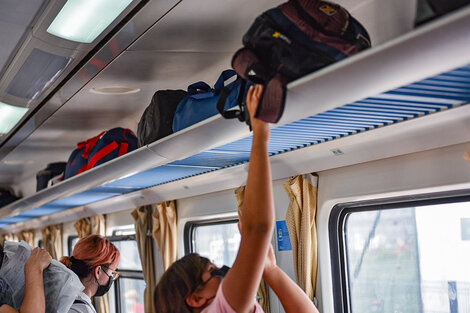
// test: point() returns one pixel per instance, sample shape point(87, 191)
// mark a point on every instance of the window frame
point(336, 227)
point(70, 239)
point(190, 230)
point(125, 273)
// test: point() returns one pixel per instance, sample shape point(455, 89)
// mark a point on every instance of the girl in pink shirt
point(194, 285)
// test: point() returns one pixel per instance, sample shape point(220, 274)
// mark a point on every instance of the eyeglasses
point(114, 275)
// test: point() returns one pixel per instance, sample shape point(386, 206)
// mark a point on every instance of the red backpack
point(100, 149)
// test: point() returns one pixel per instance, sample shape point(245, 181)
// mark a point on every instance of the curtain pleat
point(263, 290)
point(143, 230)
point(300, 220)
point(94, 225)
point(28, 236)
point(52, 240)
point(83, 227)
point(165, 231)
point(6, 237)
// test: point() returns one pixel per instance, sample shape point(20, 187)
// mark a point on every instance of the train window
point(410, 258)
point(129, 288)
point(465, 226)
point(71, 242)
point(216, 240)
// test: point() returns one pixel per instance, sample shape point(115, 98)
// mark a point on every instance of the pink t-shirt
point(220, 304)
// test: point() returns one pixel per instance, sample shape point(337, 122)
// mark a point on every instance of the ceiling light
point(84, 20)
point(9, 116)
point(17, 162)
point(114, 90)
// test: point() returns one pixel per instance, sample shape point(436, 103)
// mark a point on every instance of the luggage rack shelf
point(404, 79)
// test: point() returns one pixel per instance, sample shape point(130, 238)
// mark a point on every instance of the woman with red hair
point(94, 259)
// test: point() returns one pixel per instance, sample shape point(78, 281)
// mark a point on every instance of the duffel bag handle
point(220, 84)
point(242, 113)
point(195, 88)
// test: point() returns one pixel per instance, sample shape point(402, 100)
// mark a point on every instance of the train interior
point(385, 131)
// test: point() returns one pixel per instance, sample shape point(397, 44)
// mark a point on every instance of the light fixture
point(9, 116)
point(40, 69)
point(114, 90)
point(84, 20)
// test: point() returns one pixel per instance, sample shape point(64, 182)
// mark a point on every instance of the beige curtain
point(143, 233)
point(300, 219)
point(94, 225)
point(90, 225)
point(28, 236)
point(52, 240)
point(165, 231)
point(263, 291)
point(467, 155)
point(6, 237)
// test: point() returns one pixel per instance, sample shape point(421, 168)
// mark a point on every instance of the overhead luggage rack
point(362, 105)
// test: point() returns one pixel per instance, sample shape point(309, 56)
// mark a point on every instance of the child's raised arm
point(293, 298)
point(242, 281)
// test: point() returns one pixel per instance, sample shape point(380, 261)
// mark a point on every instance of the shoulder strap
point(80, 301)
point(101, 154)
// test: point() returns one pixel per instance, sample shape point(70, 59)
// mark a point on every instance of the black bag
point(6, 197)
point(157, 120)
point(431, 9)
point(46, 177)
point(292, 40)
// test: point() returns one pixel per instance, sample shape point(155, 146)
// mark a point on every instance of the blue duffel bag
point(201, 102)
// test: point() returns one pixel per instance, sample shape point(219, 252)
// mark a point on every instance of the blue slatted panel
point(429, 96)
point(159, 175)
point(42, 211)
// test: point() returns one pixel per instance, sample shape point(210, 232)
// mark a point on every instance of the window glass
point(132, 295)
point(217, 242)
point(465, 226)
point(413, 259)
point(72, 242)
point(130, 259)
point(124, 230)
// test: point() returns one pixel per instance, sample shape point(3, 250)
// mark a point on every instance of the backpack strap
point(80, 301)
point(102, 153)
point(123, 148)
point(89, 144)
